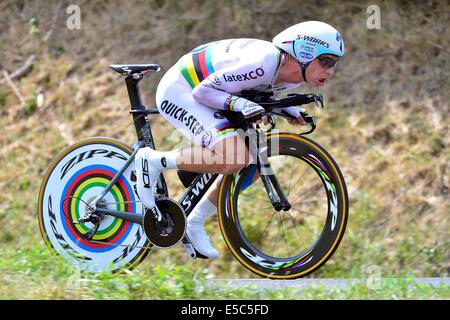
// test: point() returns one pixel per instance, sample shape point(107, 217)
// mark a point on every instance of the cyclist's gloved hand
point(251, 111)
point(293, 111)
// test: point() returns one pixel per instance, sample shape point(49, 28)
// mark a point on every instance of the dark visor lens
point(327, 62)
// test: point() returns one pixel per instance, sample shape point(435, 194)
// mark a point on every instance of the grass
point(36, 274)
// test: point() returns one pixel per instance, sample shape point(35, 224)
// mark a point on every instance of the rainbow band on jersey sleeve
point(229, 103)
point(196, 66)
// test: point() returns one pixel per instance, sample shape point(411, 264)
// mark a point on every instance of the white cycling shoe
point(148, 168)
point(201, 241)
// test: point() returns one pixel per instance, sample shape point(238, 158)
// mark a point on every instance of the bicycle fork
point(274, 190)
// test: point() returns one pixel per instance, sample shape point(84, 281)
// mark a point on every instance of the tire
point(312, 229)
point(76, 177)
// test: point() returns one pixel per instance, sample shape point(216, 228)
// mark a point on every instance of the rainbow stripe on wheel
point(77, 176)
point(98, 177)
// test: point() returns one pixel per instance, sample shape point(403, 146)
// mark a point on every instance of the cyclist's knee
point(232, 153)
point(232, 168)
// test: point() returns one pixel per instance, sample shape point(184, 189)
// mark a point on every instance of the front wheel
point(75, 178)
point(285, 244)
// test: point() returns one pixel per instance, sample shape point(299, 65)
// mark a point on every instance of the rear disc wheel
point(76, 177)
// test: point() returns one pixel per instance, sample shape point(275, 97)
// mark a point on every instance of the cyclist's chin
point(315, 83)
point(318, 82)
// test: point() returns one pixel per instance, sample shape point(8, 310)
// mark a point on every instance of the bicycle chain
point(122, 245)
point(108, 203)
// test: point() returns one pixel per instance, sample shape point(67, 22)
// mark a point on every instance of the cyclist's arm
point(220, 89)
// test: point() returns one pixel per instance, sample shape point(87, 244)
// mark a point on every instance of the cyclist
point(209, 79)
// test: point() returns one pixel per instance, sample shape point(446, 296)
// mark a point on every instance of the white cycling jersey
point(210, 78)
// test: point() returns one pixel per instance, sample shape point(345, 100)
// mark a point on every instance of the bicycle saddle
point(126, 69)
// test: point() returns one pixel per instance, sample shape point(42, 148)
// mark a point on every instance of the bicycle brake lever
point(309, 119)
point(318, 98)
point(272, 121)
point(311, 97)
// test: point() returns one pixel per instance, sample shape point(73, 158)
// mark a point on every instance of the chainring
point(168, 232)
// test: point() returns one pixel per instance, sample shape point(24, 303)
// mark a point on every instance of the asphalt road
point(329, 283)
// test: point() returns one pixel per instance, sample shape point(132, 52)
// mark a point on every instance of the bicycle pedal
point(191, 250)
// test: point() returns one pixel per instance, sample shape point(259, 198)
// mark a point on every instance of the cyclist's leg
point(217, 147)
point(226, 157)
point(213, 191)
point(226, 154)
point(203, 126)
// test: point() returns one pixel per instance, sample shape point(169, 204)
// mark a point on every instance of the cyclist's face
point(321, 69)
point(290, 71)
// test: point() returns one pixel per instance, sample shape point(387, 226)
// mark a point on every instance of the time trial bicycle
point(282, 216)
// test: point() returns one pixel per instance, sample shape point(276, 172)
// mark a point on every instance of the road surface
point(329, 283)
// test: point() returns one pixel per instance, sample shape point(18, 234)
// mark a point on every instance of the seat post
point(134, 92)
point(141, 122)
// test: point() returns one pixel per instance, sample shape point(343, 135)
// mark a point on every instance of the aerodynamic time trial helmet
point(308, 40)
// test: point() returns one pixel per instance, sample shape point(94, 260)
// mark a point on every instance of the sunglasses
point(327, 62)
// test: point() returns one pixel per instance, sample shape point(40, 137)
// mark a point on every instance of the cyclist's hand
point(264, 120)
point(295, 112)
point(253, 112)
point(298, 121)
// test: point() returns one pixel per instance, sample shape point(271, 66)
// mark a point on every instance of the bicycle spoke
point(271, 207)
point(293, 220)
point(253, 197)
point(303, 194)
point(292, 184)
point(284, 234)
point(304, 202)
point(302, 225)
point(268, 224)
point(299, 175)
point(303, 211)
point(276, 241)
point(255, 222)
point(306, 192)
point(289, 188)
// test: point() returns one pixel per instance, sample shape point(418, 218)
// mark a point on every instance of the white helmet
point(307, 40)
